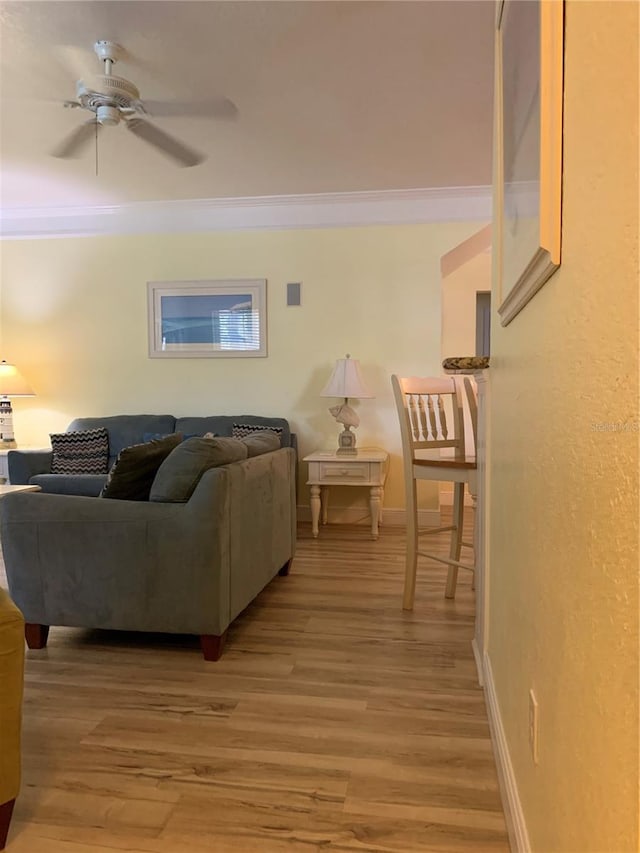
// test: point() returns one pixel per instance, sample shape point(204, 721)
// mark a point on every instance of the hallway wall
point(564, 493)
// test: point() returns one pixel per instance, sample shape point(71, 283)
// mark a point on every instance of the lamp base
point(7, 437)
point(347, 443)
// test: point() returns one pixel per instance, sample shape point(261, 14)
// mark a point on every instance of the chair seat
point(461, 462)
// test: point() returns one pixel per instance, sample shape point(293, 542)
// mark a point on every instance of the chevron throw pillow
point(81, 452)
point(243, 430)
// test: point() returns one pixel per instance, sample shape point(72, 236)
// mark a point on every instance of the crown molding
point(325, 210)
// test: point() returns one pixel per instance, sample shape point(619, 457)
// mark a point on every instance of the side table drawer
point(352, 471)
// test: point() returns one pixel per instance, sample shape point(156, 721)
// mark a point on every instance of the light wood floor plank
point(333, 721)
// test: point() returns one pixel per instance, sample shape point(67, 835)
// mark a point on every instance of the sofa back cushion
point(181, 471)
point(125, 430)
point(80, 452)
point(134, 471)
point(222, 425)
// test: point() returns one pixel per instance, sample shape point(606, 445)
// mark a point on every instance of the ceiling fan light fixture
point(108, 115)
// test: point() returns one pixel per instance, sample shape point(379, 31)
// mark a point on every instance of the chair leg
point(412, 547)
point(456, 539)
point(6, 810)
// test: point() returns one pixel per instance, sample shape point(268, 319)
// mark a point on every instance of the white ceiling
point(331, 97)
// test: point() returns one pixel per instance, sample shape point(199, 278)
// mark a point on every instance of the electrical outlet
point(533, 726)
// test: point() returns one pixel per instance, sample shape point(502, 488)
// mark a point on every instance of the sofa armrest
point(11, 679)
point(127, 565)
point(24, 464)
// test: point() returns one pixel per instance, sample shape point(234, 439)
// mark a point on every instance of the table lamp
point(12, 384)
point(346, 382)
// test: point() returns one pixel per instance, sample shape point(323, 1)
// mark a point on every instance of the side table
point(12, 490)
point(4, 466)
point(368, 467)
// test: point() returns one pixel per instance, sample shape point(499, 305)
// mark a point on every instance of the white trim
point(360, 515)
point(477, 656)
point(325, 210)
point(514, 815)
point(446, 498)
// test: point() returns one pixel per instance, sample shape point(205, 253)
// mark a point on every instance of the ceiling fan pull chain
point(96, 149)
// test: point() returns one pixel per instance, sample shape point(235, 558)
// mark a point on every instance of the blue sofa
point(33, 467)
point(186, 561)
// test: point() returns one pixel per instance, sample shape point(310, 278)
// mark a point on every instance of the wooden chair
point(431, 414)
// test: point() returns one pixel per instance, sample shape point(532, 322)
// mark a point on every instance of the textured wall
point(74, 318)
point(564, 502)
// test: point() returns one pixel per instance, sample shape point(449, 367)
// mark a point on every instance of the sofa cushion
point(181, 471)
point(261, 442)
point(125, 430)
point(80, 452)
point(89, 485)
point(134, 471)
point(222, 425)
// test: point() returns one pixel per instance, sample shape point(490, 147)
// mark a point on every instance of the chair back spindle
point(431, 409)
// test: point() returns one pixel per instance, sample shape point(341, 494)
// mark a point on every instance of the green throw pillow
point(261, 442)
point(135, 468)
point(181, 471)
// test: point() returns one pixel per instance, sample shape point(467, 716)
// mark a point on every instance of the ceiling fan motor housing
point(107, 90)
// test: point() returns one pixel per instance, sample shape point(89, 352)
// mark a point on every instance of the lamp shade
point(12, 383)
point(346, 380)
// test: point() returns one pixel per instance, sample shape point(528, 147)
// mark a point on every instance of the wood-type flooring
point(333, 721)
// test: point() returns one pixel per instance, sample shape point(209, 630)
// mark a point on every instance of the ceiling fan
point(114, 100)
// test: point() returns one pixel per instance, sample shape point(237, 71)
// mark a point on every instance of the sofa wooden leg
point(285, 569)
point(212, 646)
point(6, 810)
point(36, 635)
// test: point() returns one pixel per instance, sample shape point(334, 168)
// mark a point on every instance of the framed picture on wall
point(207, 319)
point(528, 134)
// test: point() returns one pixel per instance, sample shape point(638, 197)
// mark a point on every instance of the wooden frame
point(527, 148)
point(207, 319)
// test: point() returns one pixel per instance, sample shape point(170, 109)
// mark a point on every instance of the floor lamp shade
point(12, 384)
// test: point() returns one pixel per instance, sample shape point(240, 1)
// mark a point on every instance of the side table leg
point(325, 503)
point(374, 503)
point(315, 510)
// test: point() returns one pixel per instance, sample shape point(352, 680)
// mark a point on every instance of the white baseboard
point(516, 825)
point(446, 498)
point(360, 515)
point(478, 659)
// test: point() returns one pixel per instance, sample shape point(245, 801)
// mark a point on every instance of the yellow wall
point(564, 499)
point(459, 288)
point(74, 318)
point(459, 304)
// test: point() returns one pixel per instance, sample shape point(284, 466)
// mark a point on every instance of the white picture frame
point(528, 148)
point(207, 319)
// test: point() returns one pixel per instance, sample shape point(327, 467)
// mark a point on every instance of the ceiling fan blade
point(211, 108)
point(73, 144)
point(163, 142)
